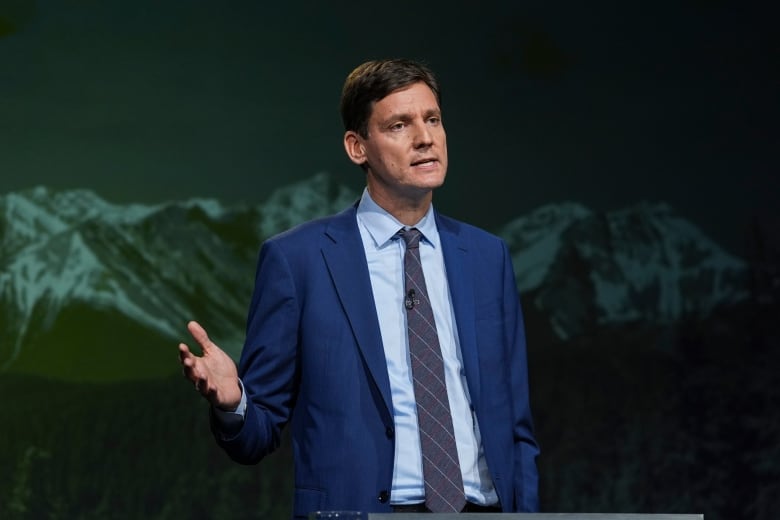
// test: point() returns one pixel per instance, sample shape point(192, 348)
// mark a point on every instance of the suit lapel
point(342, 247)
point(460, 272)
point(346, 262)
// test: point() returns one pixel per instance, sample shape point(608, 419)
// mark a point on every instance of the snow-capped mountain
point(92, 290)
point(640, 264)
point(535, 240)
point(153, 265)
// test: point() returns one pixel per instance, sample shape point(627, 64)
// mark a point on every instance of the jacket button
point(390, 432)
point(384, 496)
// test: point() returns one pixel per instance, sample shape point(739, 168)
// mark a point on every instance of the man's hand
point(214, 373)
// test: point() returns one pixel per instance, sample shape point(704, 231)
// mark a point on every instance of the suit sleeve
point(526, 484)
point(268, 366)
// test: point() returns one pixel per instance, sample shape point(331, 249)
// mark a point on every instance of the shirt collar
point(382, 226)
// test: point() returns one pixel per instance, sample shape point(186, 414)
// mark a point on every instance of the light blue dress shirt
point(384, 255)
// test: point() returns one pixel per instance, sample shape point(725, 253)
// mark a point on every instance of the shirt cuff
point(232, 420)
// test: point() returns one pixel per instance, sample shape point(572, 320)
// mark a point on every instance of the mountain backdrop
point(95, 291)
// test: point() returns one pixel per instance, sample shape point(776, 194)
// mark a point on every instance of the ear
point(356, 150)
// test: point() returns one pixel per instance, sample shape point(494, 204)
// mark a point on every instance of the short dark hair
point(372, 81)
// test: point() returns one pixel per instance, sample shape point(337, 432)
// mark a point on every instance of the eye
point(397, 126)
point(434, 120)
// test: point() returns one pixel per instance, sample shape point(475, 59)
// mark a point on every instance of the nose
point(422, 136)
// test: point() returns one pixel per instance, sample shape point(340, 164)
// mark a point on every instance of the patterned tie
point(441, 468)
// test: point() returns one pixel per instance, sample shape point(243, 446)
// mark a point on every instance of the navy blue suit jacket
point(313, 357)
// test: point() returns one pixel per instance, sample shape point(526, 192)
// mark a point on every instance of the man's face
point(406, 147)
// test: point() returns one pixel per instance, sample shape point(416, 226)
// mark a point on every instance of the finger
point(201, 383)
point(186, 357)
point(189, 372)
point(199, 334)
point(189, 363)
point(184, 352)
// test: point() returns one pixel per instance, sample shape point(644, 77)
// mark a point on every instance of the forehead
point(411, 99)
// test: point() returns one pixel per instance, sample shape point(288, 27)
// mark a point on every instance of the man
point(361, 320)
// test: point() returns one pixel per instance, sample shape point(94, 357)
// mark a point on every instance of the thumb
point(199, 334)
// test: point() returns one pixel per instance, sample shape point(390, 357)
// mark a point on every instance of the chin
point(432, 175)
point(434, 180)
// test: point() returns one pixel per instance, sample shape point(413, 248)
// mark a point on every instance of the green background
point(608, 105)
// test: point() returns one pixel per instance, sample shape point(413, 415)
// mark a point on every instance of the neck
point(408, 211)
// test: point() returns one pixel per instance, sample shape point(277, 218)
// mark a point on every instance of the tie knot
point(411, 236)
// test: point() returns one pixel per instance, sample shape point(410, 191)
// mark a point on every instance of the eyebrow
point(406, 116)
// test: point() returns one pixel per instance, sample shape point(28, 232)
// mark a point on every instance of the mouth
point(425, 162)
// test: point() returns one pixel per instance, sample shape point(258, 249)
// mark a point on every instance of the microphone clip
point(411, 300)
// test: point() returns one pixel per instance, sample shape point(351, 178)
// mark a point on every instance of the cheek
point(388, 163)
point(395, 158)
point(443, 148)
point(392, 156)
